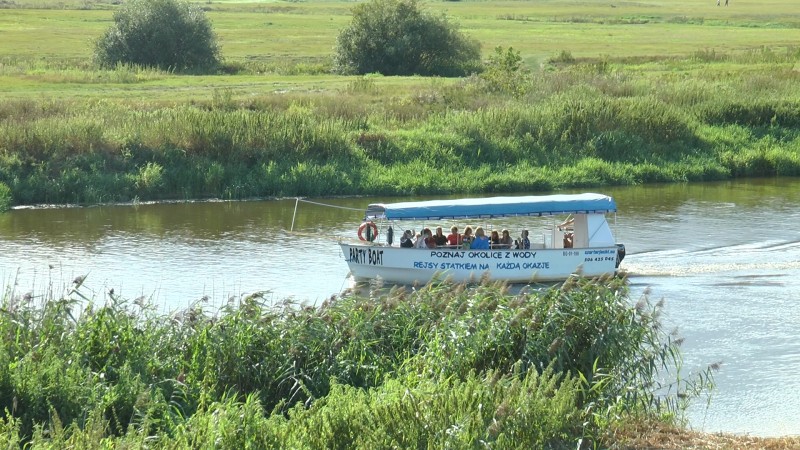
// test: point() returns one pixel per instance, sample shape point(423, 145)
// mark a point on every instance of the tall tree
point(394, 37)
point(168, 34)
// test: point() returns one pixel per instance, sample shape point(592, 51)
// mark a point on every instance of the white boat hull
point(419, 266)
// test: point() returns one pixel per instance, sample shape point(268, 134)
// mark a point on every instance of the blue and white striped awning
point(489, 207)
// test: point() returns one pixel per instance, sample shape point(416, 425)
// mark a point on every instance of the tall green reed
point(442, 365)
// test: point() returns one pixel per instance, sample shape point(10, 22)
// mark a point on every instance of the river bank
point(577, 131)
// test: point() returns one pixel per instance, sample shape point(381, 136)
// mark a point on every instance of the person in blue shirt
point(481, 241)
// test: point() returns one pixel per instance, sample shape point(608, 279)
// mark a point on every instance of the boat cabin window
point(572, 231)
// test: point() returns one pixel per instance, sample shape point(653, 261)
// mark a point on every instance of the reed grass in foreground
point(442, 366)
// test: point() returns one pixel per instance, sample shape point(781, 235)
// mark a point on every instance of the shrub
point(167, 34)
point(5, 197)
point(564, 57)
point(504, 73)
point(394, 37)
point(150, 178)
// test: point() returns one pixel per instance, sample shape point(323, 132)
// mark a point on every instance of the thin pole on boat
point(296, 202)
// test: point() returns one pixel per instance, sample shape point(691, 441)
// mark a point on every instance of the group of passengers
point(467, 240)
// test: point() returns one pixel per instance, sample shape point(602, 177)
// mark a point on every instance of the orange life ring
point(371, 235)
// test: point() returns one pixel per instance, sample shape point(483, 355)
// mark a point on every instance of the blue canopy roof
point(493, 207)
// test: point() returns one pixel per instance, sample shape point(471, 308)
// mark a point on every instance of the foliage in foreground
point(442, 366)
point(167, 34)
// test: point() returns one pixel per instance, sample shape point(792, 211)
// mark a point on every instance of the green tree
point(394, 37)
point(168, 34)
point(504, 73)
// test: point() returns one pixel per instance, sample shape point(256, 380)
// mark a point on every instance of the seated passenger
point(407, 240)
point(505, 239)
point(439, 238)
point(523, 243)
point(466, 239)
point(454, 238)
point(430, 241)
point(481, 241)
point(568, 240)
point(494, 238)
point(425, 240)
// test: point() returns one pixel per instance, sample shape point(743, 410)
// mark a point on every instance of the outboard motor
point(620, 254)
point(389, 236)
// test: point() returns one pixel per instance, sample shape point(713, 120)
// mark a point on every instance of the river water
point(724, 256)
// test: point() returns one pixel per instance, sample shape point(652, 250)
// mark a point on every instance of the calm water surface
point(724, 256)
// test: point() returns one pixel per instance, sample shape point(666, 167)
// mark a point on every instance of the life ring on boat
point(371, 231)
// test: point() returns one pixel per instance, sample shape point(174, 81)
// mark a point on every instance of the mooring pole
point(296, 202)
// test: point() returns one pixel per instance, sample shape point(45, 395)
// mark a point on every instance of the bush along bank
point(5, 197)
point(440, 366)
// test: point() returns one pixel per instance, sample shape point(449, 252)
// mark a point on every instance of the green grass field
point(46, 47)
point(615, 93)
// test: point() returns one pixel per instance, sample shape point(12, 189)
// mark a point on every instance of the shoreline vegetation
point(581, 124)
point(576, 365)
point(440, 139)
point(607, 103)
point(444, 365)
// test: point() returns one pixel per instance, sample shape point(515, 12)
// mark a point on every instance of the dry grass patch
point(665, 437)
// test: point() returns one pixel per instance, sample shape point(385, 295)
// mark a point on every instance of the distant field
point(46, 47)
point(539, 29)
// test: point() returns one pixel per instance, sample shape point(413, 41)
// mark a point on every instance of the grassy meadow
point(610, 93)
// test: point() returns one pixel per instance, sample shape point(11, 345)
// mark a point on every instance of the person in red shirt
point(454, 238)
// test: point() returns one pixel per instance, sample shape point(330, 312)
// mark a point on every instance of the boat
point(583, 244)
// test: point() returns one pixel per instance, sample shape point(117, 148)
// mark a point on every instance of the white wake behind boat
point(590, 246)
